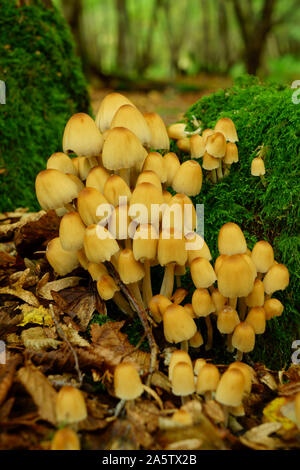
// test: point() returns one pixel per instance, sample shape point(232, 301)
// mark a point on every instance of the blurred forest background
point(184, 48)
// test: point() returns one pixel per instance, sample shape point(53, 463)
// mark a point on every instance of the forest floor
point(170, 102)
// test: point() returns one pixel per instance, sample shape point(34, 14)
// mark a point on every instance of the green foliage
point(45, 86)
point(265, 209)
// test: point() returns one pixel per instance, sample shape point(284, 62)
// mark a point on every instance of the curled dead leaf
point(56, 286)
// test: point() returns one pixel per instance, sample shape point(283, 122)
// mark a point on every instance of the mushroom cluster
point(217, 147)
point(203, 378)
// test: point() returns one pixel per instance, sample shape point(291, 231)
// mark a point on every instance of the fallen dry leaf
point(79, 302)
point(35, 338)
point(7, 372)
point(16, 289)
point(44, 291)
point(259, 437)
point(41, 391)
point(214, 411)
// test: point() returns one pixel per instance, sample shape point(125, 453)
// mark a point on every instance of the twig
point(63, 336)
point(142, 315)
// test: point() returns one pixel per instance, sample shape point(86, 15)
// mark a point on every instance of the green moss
point(268, 209)
point(44, 85)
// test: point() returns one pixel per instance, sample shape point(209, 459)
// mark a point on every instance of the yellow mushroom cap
point(99, 245)
point(231, 240)
point(179, 214)
point(263, 256)
point(178, 356)
point(277, 278)
point(82, 136)
point(114, 189)
point(131, 118)
point(129, 269)
point(149, 176)
point(227, 127)
point(92, 206)
point(96, 270)
point(202, 273)
point(145, 199)
point(235, 278)
point(82, 259)
point(70, 405)
point(122, 149)
point(145, 243)
point(202, 303)
point(199, 363)
point(218, 299)
point(216, 145)
point(61, 162)
point(243, 338)
point(97, 178)
point(257, 319)
point(297, 409)
point(107, 287)
point(158, 305)
point(182, 417)
point(177, 130)
point(172, 164)
point(256, 297)
point(108, 108)
point(62, 261)
point(184, 144)
point(273, 308)
point(208, 379)
point(206, 133)
point(178, 324)
point(231, 388)
point(71, 232)
point(197, 340)
point(196, 247)
point(54, 189)
point(159, 134)
point(171, 248)
point(127, 382)
point(156, 163)
point(65, 439)
point(247, 371)
point(183, 382)
point(257, 167)
point(231, 154)
point(188, 178)
point(228, 319)
point(197, 146)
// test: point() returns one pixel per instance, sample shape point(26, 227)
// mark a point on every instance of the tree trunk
point(123, 29)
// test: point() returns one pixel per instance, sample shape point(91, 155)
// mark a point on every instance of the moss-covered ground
point(44, 87)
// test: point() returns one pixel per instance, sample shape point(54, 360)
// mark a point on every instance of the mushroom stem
point(230, 348)
point(178, 281)
point(233, 302)
point(119, 408)
point(147, 288)
point(214, 176)
point(239, 356)
point(219, 171)
point(227, 170)
point(259, 276)
point(142, 316)
point(154, 395)
point(185, 399)
point(125, 174)
point(122, 304)
point(184, 345)
point(134, 288)
point(168, 281)
point(209, 327)
point(242, 308)
point(208, 395)
point(69, 207)
point(128, 244)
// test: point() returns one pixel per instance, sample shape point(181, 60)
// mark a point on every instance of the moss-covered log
point(265, 209)
point(44, 87)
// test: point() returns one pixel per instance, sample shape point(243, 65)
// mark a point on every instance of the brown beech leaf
point(9, 318)
point(113, 346)
point(6, 259)
point(258, 438)
point(45, 290)
point(34, 233)
point(78, 302)
point(8, 229)
point(289, 389)
point(17, 290)
point(36, 338)
point(7, 372)
point(41, 391)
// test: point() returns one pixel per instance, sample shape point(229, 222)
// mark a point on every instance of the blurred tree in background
point(161, 39)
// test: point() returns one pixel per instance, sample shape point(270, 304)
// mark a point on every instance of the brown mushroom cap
point(71, 232)
point(257, 167)
point(227, 127)
point(65, 439)
point(70, 405)
point(108, 108)
point(202, 303)
point(208, 379)
point(231, 388)
point(228, 319)
point(188, 178)
point(277, 278)
point(183, 382)
point(82, 136)
point(159, 134)
point(178, 356)
point(54, 189)
point(178, 324)
point(231, 240)
point(62, 261)
point(202, 273)
point(127, 382)
point(243, 338)
point(273, 308)
point(263, 256)
point(131, 118)
point(257, 319)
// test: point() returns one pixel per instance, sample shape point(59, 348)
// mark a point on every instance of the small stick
point(63, 336)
